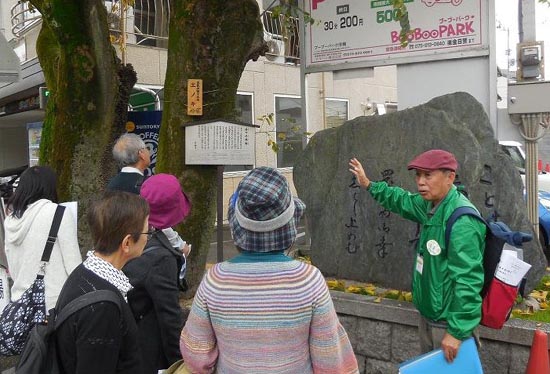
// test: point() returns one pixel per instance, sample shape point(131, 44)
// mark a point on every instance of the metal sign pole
point(219, 202)
point(218, 143)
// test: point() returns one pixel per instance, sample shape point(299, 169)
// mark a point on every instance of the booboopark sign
point(367, 32)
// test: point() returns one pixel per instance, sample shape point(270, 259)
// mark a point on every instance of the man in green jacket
point(446, 281)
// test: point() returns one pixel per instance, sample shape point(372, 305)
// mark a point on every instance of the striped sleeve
point(198, 340)
point(330, 348)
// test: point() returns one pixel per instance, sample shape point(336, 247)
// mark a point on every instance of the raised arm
point(357, 169)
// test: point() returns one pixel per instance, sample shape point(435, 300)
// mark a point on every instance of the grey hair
point(126, 149)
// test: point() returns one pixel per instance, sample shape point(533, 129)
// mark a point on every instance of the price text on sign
point(194, 97)
point(367, 31)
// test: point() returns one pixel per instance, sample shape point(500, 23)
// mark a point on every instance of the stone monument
point(352, 236)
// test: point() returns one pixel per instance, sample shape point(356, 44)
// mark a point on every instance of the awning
point(146, 97)
point(9, 62)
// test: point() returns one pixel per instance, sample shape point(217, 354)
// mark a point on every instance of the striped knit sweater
point(265, 313)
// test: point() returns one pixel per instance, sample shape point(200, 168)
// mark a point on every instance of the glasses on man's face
point(148, 233)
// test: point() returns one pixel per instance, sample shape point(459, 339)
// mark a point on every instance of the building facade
point(270, 85)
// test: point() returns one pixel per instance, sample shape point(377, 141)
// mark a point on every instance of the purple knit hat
point(167, 202)
point(263, 215)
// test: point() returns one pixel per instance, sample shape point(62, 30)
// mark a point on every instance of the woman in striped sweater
point(263, 312)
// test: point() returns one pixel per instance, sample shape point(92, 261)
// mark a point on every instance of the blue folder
point(466, 362)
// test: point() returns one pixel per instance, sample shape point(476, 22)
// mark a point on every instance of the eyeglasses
point(148, 233)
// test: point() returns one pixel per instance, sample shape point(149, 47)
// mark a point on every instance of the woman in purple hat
point(155, 275)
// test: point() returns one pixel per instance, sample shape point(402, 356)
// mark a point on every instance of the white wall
point(379, 86)
point(506, 130)
point(149, 63)
point(5, 17)
point(418, 83)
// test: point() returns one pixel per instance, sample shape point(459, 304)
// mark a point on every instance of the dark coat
point(129, 182)
point(98, 338)
point(155, 302)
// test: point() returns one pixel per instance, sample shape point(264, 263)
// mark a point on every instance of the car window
point(515, 155)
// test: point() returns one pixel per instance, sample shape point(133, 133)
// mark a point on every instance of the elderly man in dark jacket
point(133, 157)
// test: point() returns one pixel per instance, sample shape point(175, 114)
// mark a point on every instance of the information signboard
point(220, 143)
point(366, 32)
point(194, 97)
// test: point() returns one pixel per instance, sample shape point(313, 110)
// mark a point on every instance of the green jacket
point(446, 281)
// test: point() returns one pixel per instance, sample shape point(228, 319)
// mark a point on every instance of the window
point(281, 32)
point(144, 14)
point(243, 107)
point(244, 113)
point(336, 112)
point(269, 4)
point(290, 131)
point(23, 17)
point(150, 22)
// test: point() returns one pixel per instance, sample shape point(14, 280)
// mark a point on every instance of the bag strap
point(458, 212)
point(52, 236)
point(151, 248)
point(84, 301)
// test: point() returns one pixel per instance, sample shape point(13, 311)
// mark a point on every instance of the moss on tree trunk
point(210, 40)
point(81, 71)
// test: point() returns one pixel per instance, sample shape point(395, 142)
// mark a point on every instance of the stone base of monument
point(384, 334)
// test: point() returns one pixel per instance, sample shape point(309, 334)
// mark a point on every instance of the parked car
point(516, 153)
point(544, 222)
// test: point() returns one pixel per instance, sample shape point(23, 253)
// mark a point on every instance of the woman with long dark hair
point(29, 216)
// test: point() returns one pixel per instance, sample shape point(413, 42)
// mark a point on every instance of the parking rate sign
point(367, 31)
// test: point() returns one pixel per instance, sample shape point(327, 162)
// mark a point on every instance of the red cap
point(434, 159)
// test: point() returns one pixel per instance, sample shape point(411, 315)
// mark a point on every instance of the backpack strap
point(86, 300)
point(458, 212)
point(149, 249)
point(52, 236)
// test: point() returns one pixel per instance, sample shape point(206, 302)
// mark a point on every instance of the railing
point(146, 22)
point(282, 37)
point(23, 18)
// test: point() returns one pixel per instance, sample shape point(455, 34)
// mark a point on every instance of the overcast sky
point(506, 15)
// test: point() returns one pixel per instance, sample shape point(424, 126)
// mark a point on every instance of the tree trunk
point(82, 73)
point(210, 40)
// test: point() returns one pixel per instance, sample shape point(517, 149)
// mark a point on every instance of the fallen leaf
point(335, 284)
